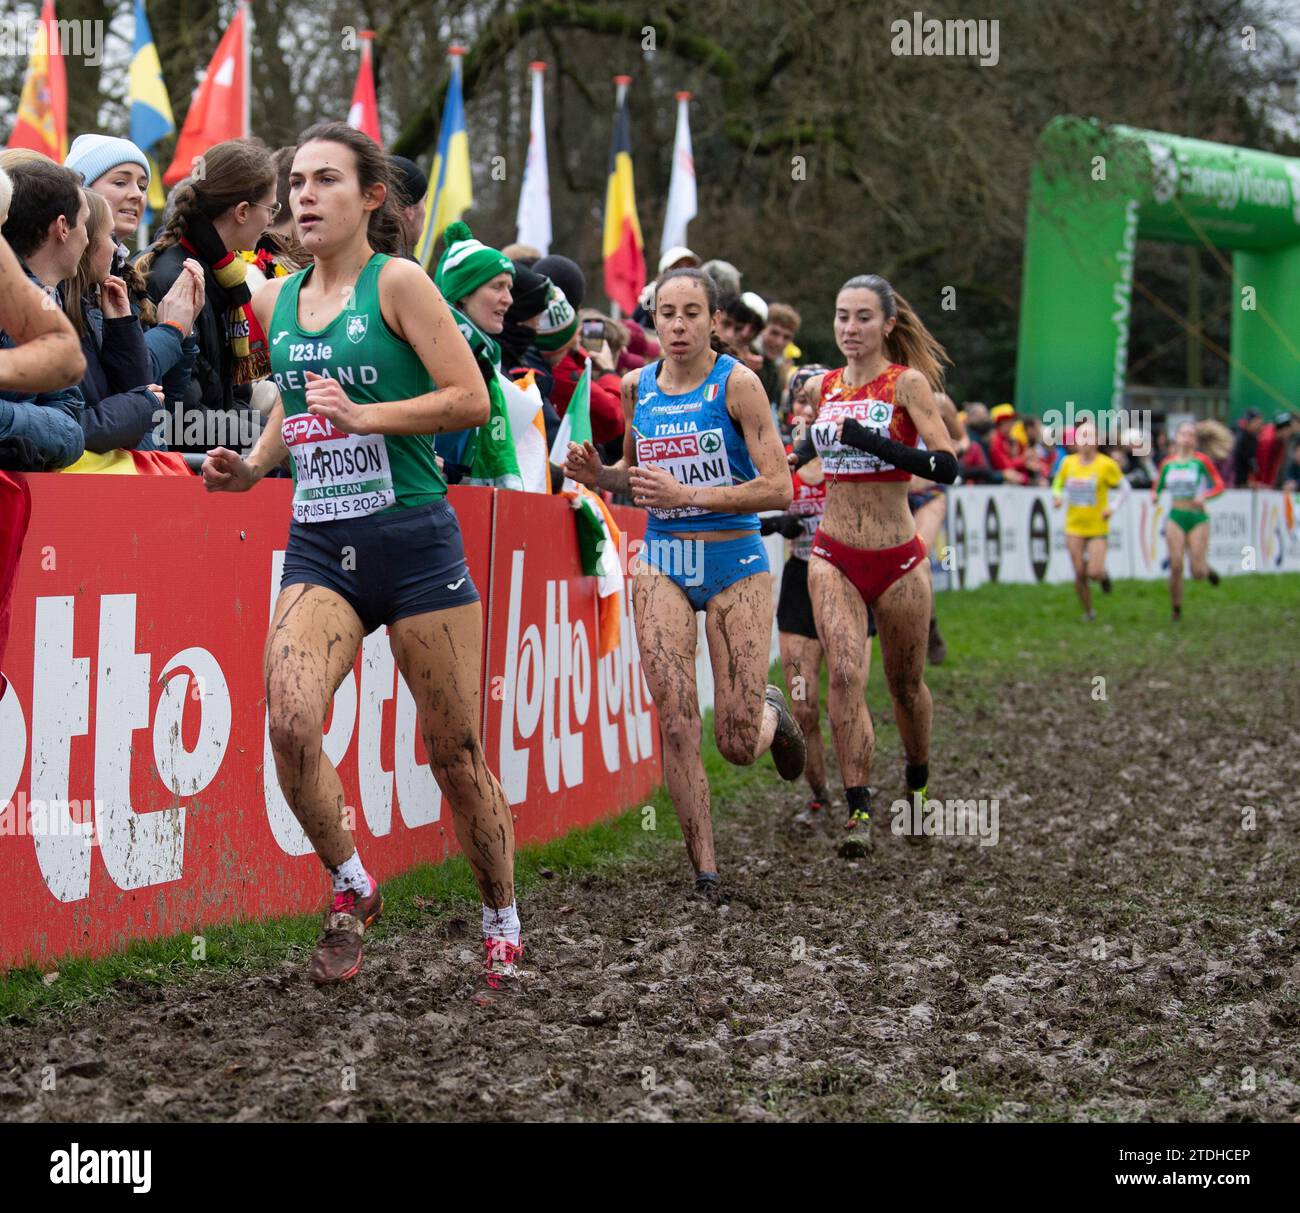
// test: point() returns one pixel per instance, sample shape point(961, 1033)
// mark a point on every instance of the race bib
point(1182, 483)
point(698, 458)
point(840, 460)
point(336, 475)
point(1081, 491)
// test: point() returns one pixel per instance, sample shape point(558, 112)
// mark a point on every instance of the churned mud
point(1126, 951)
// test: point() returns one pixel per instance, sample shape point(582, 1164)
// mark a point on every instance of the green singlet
point(339, 475)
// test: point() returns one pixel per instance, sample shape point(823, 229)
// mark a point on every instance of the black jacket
point(211, 384)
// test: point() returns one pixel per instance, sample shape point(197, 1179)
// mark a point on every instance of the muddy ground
point(1127, 951)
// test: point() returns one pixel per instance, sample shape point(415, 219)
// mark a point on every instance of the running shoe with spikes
point(500, 968)
point(1105, 584)
point(1212, 576)
point(858, 830)
point(789, 748)
point(338, 951)
point(1178, 614)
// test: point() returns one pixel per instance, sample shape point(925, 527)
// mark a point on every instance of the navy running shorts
point(386, 566)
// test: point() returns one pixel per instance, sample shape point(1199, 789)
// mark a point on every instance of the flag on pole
point(151, 108)
point(681, 186)
point(622, 246)
point(42, 121)
point(364, 112)
point(534, 218)
point(453, 192)
point(219, 110)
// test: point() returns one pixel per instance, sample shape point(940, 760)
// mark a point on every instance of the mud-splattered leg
point(801, 659)
point(440, 656)
point(1176, 538)
point(903, 621)
point(841, 617)
point(738, 623)
point(666, 634)
point(311, 646)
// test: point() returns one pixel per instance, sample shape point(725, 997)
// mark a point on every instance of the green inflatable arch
point(1095, 190)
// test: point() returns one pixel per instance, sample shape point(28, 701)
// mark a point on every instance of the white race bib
point(698, 458)
point(337, 475)
point(1081, 490)
point(840, 460)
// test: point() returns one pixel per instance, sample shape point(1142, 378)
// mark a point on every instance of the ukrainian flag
point(151, 109)
point(453, 193)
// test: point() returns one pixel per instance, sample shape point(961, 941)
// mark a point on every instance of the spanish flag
point(623, 247)
point(219, 110)
point(452, 189)
point(42, 123)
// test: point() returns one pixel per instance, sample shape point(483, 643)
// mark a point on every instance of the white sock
point(502, 923)
point(350, 875)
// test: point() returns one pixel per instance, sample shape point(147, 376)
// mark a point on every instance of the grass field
point(1122, 751)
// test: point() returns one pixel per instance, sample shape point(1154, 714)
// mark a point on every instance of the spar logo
point(710, 442)
point(992, 540)
point(878, 412)
point(673, 446)
point(1040, 550)
point(307, 427)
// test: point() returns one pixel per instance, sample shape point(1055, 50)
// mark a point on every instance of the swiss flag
point(219, 110)
point(364, 112)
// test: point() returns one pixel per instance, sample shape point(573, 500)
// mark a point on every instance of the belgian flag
point(623, 247)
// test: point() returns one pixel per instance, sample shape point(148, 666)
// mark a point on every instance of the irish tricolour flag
point(598, 535)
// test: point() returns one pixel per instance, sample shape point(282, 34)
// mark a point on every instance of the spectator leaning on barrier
point(46, 228)
point(212, 219)
point(476, 282)
point(120, 409)
point(118, 172)
point(1270, 454)
point(38, 352)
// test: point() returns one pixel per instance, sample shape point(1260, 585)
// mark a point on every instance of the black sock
point(859, 799)
point(918, 775)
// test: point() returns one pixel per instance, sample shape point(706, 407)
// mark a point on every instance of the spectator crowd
point(175, 362)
